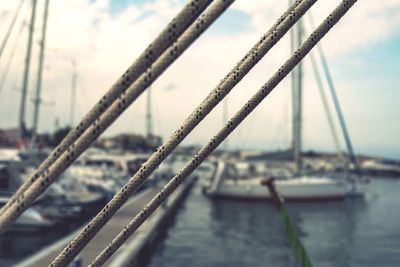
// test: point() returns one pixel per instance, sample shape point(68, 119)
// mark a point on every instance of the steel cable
point(235, 121)
point(100, 124)
point(108, 117)
point(261, 48)
point(174, 29)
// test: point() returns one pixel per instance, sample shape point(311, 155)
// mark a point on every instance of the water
point(16, 246)
point(216, 233)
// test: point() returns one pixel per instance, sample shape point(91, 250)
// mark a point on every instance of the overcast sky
point(104, 37)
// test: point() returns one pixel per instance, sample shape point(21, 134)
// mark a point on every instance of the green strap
point(295, 242)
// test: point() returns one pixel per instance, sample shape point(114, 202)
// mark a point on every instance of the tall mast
point(296, 38)
point(40, 71)
point(339, 112)
point(149, 117)
point(325, 104)
point(338, 109)
point(26, 73)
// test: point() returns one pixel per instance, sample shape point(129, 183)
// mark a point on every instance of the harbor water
point(215, 233)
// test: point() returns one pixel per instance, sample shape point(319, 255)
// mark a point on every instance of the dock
point(137, 249)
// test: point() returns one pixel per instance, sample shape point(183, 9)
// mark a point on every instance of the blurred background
point(98, 40)
point(90, 43)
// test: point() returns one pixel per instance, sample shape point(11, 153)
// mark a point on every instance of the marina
point(135, 249)
point(190, 211)
point(149, 175)
point(222, 232)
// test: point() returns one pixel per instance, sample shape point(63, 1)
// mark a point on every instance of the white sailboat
point(30, 220)
point(227, 182)
point(302, 188)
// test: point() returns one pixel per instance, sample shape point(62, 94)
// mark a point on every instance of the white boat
point(232, 183)
point(381, 167)
point(304, 188)
point(121, 168)
point(30, 220)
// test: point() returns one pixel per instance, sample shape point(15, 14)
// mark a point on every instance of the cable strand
point(264, 45)
point(194, 31)
point(175, 28)
point(234, 122)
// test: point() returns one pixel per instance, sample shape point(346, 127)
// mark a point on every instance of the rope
point(201, 24)
point(258, 51)
point(14, 19)
point(10, 59)
point(294, 239)
point(201, 155)
point(174, 29)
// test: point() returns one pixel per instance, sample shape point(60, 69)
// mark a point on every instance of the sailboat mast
point(297, 82)
point(339, 112)
point(40, 70)
point(325, 104)
point(335, 99)
point(26, 73)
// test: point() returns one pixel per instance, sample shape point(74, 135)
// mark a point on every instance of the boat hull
point(290, 192)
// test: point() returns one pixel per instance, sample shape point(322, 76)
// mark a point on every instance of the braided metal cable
point(110, 115)
point(174, 29)
point(235, 121)
point(262, 47)
point(167, 58)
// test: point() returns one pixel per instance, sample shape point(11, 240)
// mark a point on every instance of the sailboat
point(228, 182)
point(301, 188)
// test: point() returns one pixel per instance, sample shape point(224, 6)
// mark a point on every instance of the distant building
point(8, 137)
point(133, 142)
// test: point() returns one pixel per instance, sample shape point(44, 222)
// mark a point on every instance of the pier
point(133, 253)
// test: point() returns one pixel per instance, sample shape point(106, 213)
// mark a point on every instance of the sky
point(104, 37)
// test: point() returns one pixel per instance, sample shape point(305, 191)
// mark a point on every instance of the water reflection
point(355, 232)
point(252, 230)
point(15, 245)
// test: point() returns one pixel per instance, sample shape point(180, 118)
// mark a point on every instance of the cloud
point(104, 43)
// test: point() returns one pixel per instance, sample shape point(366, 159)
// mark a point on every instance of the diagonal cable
point(170, 187)
point(11, 57)
point(166, 38)
point(258, 51)
point(338, 109)
point(10, 28)
point(156, 69)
